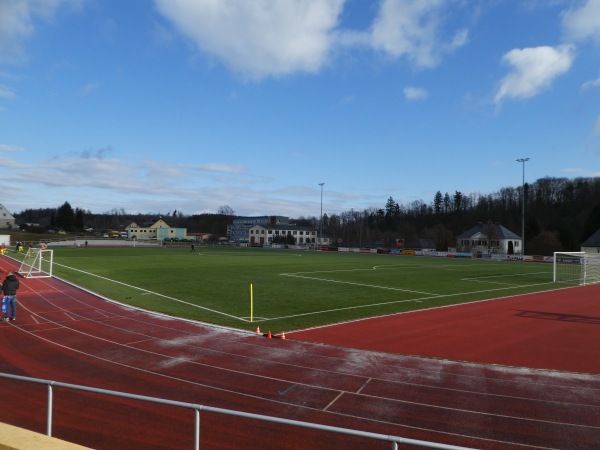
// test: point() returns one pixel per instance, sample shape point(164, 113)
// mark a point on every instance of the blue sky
point(153, 106)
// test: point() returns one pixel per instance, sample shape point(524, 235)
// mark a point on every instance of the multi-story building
point(267, 234)
point(238, 231)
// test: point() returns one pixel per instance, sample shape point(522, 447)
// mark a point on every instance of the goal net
point(577, 268)
point(37, 263)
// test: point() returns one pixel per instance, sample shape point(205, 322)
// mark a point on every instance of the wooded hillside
point(560, 214)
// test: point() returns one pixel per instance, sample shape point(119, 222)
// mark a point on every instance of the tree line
point(560, 214)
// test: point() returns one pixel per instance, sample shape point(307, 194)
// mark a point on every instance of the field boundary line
point(147, 291)
point(361, 319)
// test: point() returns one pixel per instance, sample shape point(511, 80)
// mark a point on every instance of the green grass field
point(291, 289)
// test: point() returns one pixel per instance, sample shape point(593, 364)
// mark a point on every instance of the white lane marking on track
point(340, 392)
point(240, 393)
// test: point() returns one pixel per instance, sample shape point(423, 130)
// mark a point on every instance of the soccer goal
point(578, 268)
point(37, 263)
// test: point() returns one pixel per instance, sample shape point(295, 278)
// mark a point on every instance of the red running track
point(556, 330)
point(68, 335)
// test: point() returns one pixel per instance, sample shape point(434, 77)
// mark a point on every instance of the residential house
point(592, 244)
point(489, 238)
point(7, 220)
point(158, 230)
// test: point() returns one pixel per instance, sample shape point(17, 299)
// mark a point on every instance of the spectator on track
point(9, 289)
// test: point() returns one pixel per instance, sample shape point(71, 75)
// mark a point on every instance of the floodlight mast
point(523, 161)
point(321, 218)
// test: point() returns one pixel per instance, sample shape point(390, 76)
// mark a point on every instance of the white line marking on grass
point(347, 308)
point(243, 253)
point(375, 286)
point(488, 278)
point(148, 292)
point(416, 300)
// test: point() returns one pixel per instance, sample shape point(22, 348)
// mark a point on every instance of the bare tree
point(225, 210)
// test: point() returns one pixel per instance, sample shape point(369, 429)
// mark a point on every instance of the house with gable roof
point(158, 230)
point(7, 220)
point(488, 238)
point(592, 244)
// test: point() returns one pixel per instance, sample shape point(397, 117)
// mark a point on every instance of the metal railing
point(394, 440)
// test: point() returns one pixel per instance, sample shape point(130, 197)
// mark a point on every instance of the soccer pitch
point(289, 289)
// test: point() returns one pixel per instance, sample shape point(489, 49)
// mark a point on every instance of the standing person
point(193, 247)
point(9, 289)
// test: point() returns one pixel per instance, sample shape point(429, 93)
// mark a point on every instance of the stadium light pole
point(523, 161)
point(321, 219)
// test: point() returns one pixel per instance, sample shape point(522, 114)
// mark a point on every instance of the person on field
point(193, 247)
point(9, 289)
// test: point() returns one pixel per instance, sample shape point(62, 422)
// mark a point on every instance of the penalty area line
point(374, 286)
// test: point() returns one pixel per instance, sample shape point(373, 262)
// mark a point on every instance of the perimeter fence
point(196, 408)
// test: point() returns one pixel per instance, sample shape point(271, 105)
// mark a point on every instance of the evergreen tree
point(437, 203)
point(65, 217)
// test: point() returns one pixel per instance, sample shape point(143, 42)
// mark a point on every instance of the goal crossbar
point(577, 268)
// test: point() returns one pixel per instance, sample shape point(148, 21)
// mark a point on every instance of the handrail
point(395, 440)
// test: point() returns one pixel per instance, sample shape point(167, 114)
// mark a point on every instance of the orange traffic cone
point(257, 330)
point(282, 335)
point(269, 334)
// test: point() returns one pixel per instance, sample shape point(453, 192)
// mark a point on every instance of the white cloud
point(410, 28)
point(415, 93)
point(274, 38)
point(17, 23)
point(221, 168)
point(592, 84)
point(533, 70)
point(6, 92)
point(260, 38)
point(89, 88)
point(583, 23)
point(6, 148)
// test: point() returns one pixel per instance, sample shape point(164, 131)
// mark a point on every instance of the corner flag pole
point(251, 303)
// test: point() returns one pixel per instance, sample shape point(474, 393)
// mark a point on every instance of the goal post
point(576, 268)
point(37, 263)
